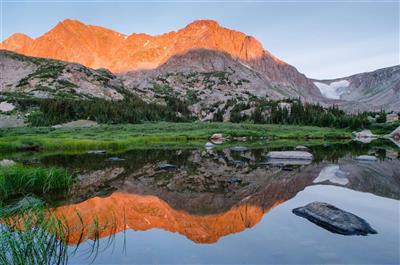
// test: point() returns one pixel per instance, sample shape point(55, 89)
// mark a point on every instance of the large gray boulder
point(290, 155)
point(334, 219)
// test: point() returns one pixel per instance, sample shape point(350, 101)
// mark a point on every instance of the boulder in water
point(366, 158)
point(297, 155)
point(334, 219)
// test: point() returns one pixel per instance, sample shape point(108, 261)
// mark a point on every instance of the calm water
point(229, 205)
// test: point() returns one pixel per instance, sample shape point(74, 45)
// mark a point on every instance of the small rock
point(97, 152)
point(114, 158)
point(166, 166)
point(239, 149)
point(7, 162)
point(217, 137)
point(233, 180)
point(238, 162)
point(209, 145)
point(366, 158)
point(6, 107)
point(334, 219)
point(301, 148)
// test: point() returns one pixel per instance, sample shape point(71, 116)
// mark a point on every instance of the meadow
point(127, 136)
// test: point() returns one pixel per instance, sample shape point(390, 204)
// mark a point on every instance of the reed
point(20, 180)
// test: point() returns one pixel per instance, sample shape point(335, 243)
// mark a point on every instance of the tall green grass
point(32, 237)
point(37, 236)
point(19, 180)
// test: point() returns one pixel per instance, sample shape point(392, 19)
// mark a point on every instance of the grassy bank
point(116, 137)
point(20, 180)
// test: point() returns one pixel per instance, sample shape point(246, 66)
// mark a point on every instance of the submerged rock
point(114, 158)
point(366, 158)
point(166, 166)
point(239, 149)
point(334, 219)
point(299, 155)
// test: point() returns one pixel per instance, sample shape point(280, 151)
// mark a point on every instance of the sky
point(322, 39)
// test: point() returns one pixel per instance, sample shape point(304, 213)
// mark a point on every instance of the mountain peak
point(16, 41)
point(203, 23)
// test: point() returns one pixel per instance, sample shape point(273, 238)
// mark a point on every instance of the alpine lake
point(224, 203)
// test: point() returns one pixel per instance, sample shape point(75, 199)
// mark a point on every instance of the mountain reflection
point(198, 200)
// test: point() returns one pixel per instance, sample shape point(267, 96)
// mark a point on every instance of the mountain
point(43, 78)
point(98, 47)
point(372, 91)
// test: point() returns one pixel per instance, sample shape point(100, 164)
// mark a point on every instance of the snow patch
point(334, 90)
point(245, 65)
point(147, 42)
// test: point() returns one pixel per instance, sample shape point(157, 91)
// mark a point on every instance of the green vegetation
point(299, 114)
point(19, 180)
point(32, 237)
point(384, 128)
point(130, 110)
point(117, 137)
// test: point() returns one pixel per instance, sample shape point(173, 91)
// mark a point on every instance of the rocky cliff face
point(44, 78)
point(97, 47)
point(372, 91)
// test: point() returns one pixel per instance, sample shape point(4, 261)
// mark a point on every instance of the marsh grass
point(32, 237)
point(37, 236)
point(20, 180)
point(128, 136)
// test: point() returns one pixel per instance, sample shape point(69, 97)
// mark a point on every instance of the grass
point(116, 137)
point(19, 180)
point(32, 237)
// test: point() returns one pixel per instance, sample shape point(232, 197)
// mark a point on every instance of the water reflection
point(210, 193)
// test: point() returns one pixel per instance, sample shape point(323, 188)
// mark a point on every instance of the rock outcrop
point(370, 91)
point(44, 78)
point(334, 219)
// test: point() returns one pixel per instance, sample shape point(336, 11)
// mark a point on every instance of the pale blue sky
point(321, 39)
